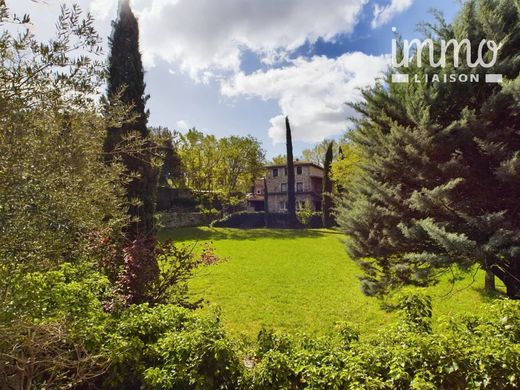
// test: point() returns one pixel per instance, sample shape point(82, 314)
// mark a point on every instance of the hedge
point(256, 220)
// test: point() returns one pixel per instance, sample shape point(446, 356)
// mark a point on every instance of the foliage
point(242, 219)
point(291, 186)
point(47, 75)
point(177, 264)
point(477, 352)
point(72, 341)
point(130, 142)
point(280, 159)
point(305, 213)
point(172, 348)
point(170, 174)
point(328, 218)
point(266, 203)
point(316, 155)
point(257, 220)
point(225, 166)
point(140, 269)
point(52, 328)
point(439, 183)
point(55, 190)
point(346, 167)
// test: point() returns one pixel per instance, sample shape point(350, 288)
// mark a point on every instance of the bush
point(305, 214)
point(168, 347)
point(242, 219)
point(64, 337)
point(480, 351)
point(53, 328)
point(256, 220)
point(315, 221)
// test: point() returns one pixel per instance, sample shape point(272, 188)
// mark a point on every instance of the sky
point(238, 67)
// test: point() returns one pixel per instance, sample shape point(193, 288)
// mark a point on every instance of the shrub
point(52, 329)
point(256, 220)
point(481, 351)
point(170, 348)
point(243, 219)
point(305, 214)
point(177, 263)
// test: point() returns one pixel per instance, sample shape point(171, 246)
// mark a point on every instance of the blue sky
point(238, 66)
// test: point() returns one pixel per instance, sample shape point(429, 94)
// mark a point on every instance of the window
point(299, 170)
point(285, 171)
point(299, 187)
point(275, 172)
point(259, 191)
point(283, 205)
point(283, 187)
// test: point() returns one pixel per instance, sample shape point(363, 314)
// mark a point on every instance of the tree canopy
point(441, 165)
point(227, 165)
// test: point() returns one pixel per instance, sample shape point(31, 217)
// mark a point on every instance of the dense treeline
point(226, 165)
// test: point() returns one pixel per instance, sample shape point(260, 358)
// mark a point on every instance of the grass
point(299, 281)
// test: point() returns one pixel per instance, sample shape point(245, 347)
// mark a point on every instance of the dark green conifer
point(291, 194)
point(126, 83)
point(441, 165)
point(328, 218)
point(266, 203)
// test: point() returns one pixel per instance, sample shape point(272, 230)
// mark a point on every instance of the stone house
point(308, 182)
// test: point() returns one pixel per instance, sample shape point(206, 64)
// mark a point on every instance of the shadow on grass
point(207, 233)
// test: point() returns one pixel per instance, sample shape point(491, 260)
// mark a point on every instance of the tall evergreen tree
point(328, 219)
point(291, 194)
point(266, 203)
point(441, 170)
point(130, 141)
point(340, 159)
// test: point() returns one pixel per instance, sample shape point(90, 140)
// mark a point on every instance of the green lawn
point(299, 281)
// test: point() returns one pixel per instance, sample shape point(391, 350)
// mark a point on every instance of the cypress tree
point(328, 219)
point(126, 85)
point(441, 166)
point(341, 157)
point(291, 195)
point(266, 203)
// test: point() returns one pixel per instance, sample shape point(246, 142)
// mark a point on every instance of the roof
point(296, 163)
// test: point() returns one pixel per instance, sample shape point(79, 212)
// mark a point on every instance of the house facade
point(308, 188)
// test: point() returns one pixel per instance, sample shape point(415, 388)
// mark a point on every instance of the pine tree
point(328, 218)
point(291, 195)
point(126, 85)
point(441, 166)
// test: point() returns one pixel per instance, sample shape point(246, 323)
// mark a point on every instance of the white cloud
point(103, 9)
point(211, 34)
point(313, 92)
point(182, 125)
point(383, 14)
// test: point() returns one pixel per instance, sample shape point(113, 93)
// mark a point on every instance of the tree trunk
point(489, 281)
point(509, 274)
